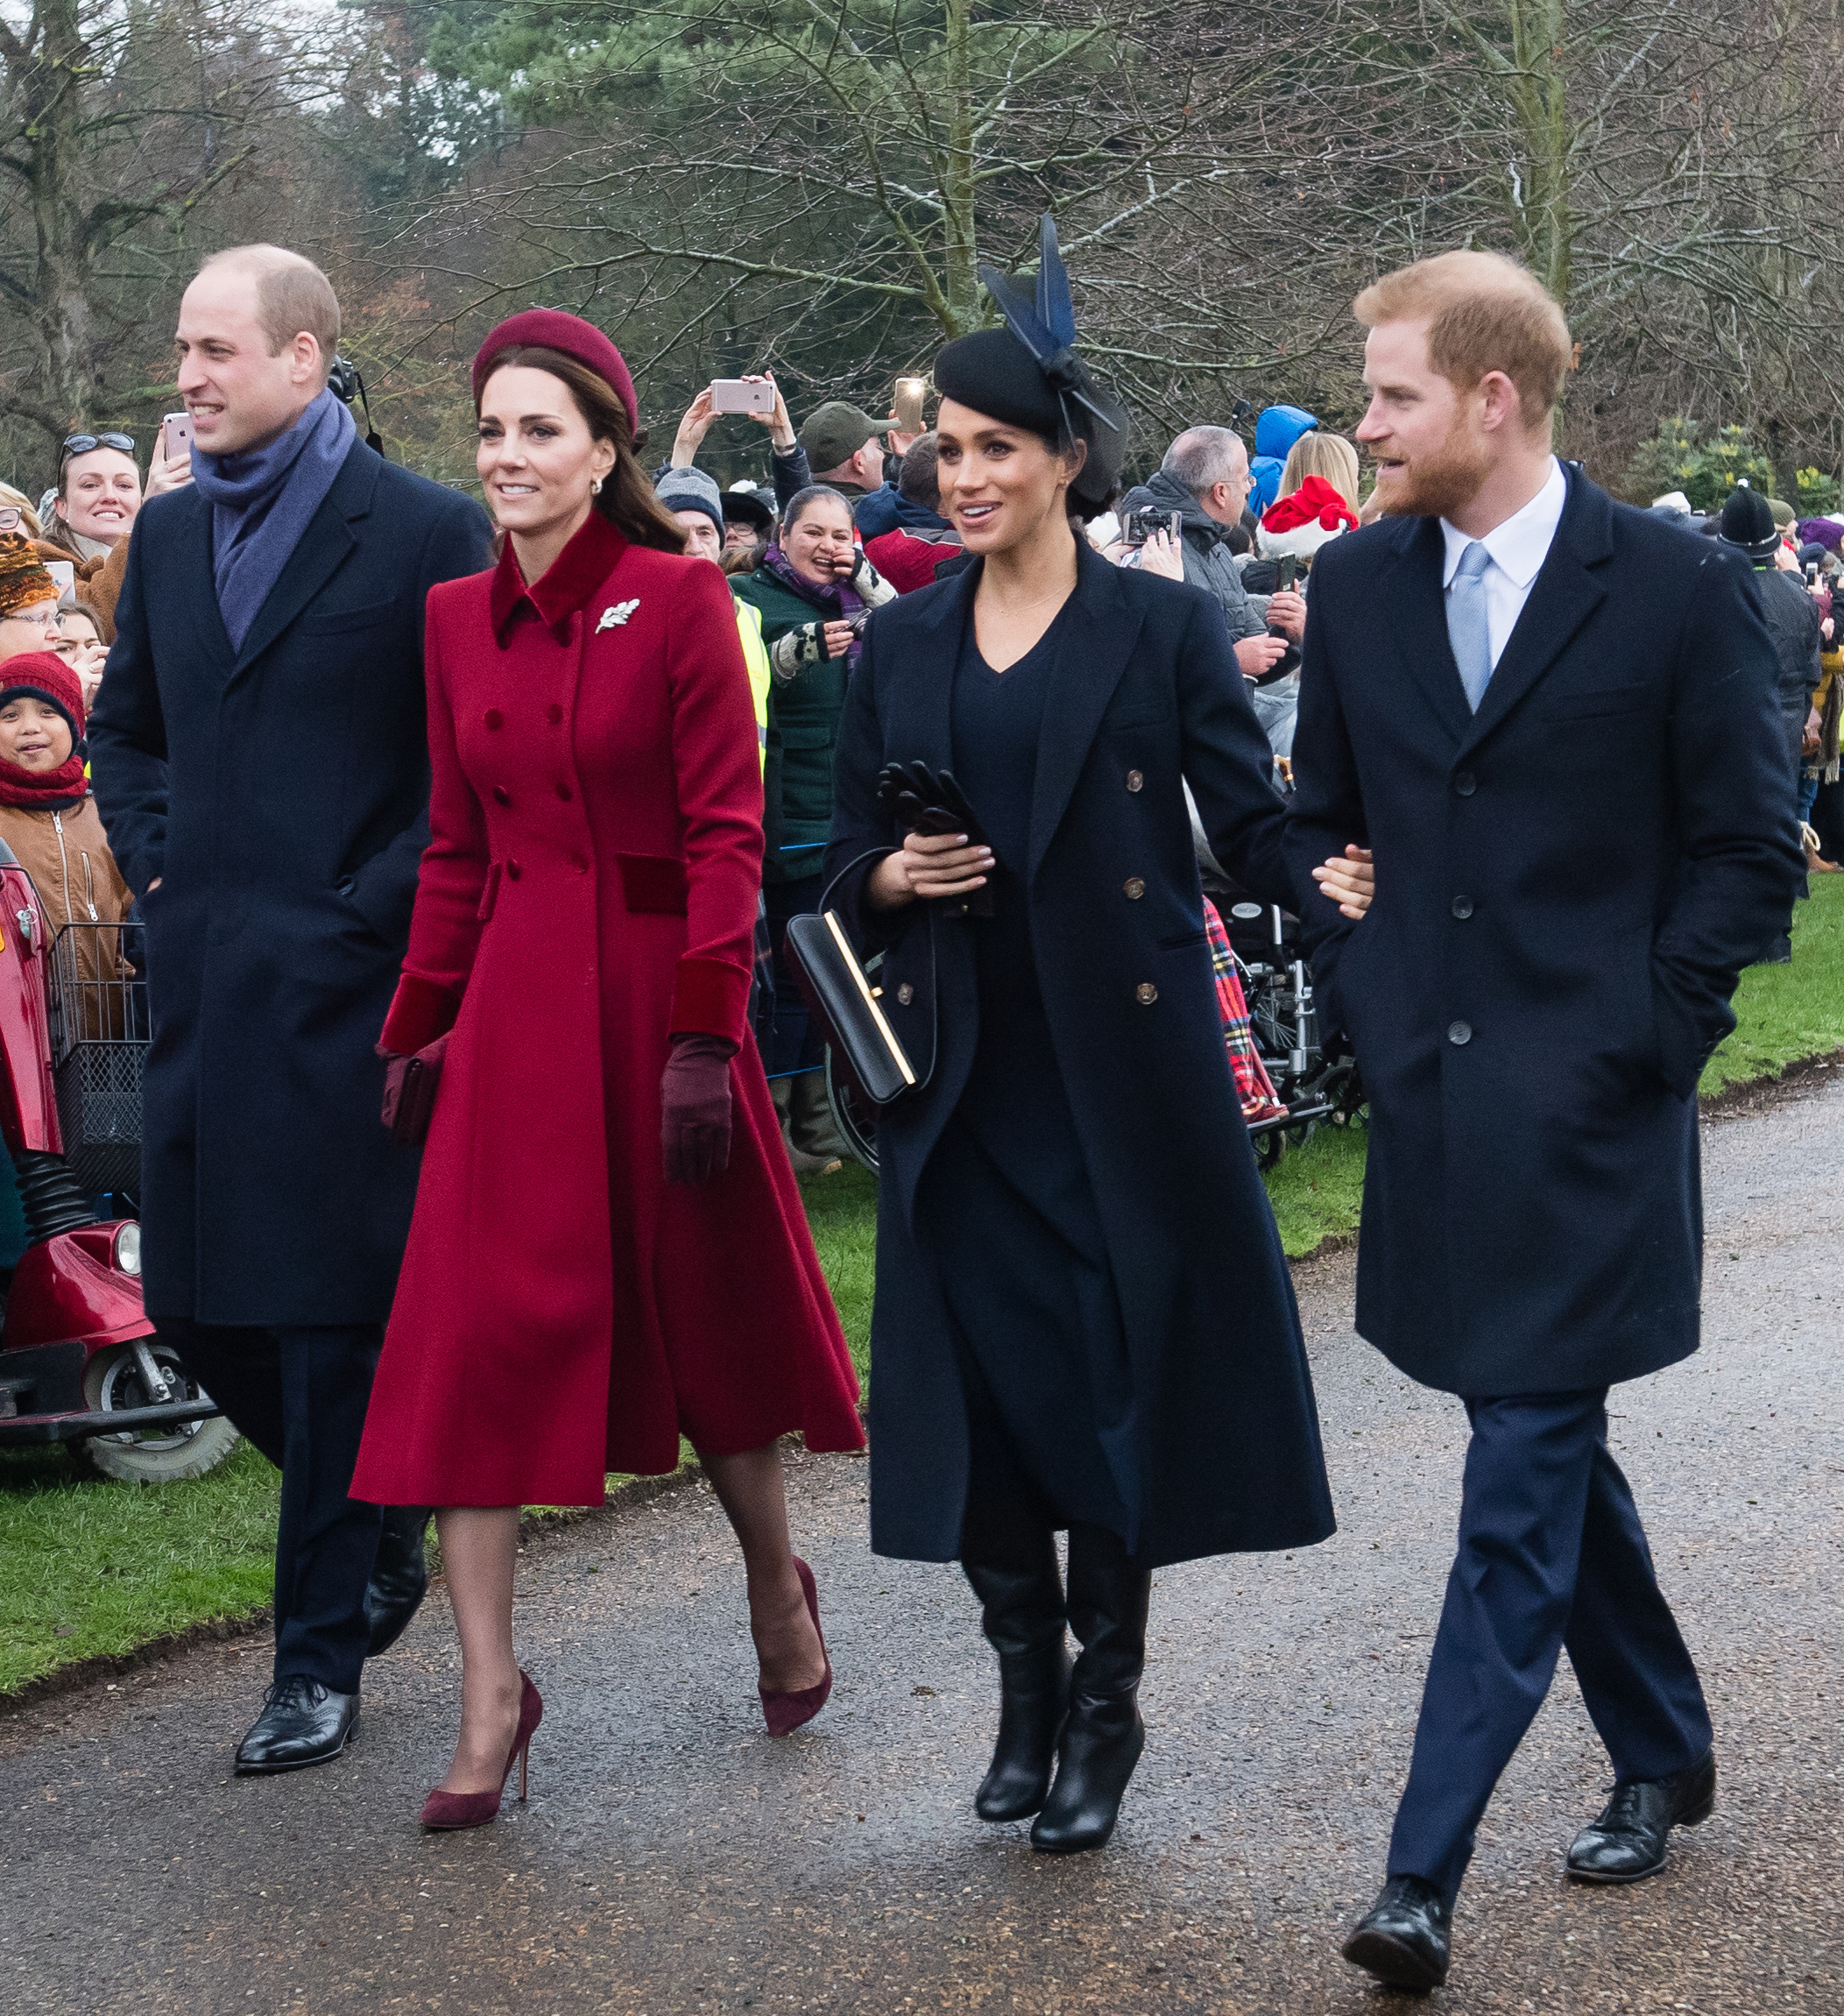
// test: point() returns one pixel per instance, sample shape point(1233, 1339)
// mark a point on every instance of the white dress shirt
point(1518, 549)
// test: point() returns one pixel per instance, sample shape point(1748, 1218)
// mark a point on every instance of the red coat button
point(564, 792)
point(554, 713)
point(579, 864)
point(495, 718)
point(512, 871)
point(501, 796)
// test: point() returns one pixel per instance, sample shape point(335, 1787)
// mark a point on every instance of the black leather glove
point(925, 801)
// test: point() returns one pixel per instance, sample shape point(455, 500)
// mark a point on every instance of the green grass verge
point(1784, 1014)
point(91, 1567)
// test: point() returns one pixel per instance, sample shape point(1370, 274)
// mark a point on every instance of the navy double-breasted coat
point(1144, 693)
point(280, 794)
point(1569, 883)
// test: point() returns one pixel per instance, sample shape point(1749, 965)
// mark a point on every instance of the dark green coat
point(803, 718)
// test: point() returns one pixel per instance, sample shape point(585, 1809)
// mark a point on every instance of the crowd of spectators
point(852, 516)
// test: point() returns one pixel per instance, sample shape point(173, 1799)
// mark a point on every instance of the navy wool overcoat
point(1568, 884)
point(1144, 693)
point(280, 795)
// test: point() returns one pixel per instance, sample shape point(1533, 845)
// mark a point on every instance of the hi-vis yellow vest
point(755, 656)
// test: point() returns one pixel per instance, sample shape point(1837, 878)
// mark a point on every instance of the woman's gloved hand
point(872, 590)
point(694, 1107)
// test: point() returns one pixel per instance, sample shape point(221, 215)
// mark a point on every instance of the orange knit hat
point(23, 583)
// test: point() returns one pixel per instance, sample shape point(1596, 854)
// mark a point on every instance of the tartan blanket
point(1254, 1086)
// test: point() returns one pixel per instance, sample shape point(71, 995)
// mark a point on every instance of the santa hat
point(1300, 523)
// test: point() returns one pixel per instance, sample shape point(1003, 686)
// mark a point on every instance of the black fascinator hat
point(1028, 375)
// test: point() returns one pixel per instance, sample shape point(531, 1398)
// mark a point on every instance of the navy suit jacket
point(280, 795)
point(1569, 883)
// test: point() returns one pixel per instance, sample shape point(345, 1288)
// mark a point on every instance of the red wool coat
point(588, 890)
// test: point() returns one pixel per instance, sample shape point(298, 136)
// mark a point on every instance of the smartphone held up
point(741, 395)
point(1141, 525)
point(176, 437)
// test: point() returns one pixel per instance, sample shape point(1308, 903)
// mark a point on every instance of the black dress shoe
point(1022, 1615)
point(1104, 1736)
point(302, 1723)
point(1627, 1843)
point(1406, 1939)
point(400, 1576)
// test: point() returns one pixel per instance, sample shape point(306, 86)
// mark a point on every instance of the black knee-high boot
point(1023, 1620)
point(1104, 1736)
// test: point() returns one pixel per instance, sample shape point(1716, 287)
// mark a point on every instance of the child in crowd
point(49, 819)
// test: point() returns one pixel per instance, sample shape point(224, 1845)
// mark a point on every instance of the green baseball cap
point(835, 432)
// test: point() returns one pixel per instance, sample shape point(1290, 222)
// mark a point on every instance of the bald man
point(260, 762)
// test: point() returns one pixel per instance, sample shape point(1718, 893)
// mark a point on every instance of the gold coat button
point(1135, 889)
point(1147, 994)
point(1135, 779)
point(906, 994)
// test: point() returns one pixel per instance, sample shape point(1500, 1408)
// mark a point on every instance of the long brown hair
point(626, 499)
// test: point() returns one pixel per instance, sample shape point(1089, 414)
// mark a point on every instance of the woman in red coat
point(609, 1250)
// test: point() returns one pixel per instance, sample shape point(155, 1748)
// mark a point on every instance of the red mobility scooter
point(79, 1359)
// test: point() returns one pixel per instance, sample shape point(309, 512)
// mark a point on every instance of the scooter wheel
point(150, 1455)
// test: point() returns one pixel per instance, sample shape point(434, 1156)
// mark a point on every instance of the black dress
point(1007, 1201)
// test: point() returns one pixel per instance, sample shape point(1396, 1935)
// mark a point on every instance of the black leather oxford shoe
point(1406, 1939)
point(400, 1576)
point(1627, 1843)
point(302, 1723)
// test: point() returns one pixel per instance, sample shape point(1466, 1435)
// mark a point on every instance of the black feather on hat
point(1027, 374)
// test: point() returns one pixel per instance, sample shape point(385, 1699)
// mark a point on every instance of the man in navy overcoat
point(1553, 720)
point(261, 763)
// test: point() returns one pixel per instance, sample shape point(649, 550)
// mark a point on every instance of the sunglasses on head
point(82, 443)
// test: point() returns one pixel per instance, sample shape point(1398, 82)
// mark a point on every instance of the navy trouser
point(300, 1396)
point(1552, 1553)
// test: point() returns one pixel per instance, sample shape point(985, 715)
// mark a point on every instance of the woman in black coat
point(1084, 1319)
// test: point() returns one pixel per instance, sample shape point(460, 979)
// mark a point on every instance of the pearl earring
point(594, 486)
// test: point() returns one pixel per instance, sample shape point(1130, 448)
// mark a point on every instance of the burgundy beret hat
point(551, 328)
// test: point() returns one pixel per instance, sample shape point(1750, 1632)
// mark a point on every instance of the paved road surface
point(671, 1860)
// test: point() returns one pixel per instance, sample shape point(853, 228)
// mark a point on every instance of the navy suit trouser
point(300, 1396)
point(1551, 1555)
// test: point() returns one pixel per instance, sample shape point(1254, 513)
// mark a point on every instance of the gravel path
point(671, 1860)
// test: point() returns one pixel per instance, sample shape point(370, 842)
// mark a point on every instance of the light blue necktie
point(1468, 630)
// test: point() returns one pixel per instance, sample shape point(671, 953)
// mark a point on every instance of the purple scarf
point(838, 602)
point(262, 499)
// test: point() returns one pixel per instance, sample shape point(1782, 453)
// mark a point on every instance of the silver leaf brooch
point(614, 618)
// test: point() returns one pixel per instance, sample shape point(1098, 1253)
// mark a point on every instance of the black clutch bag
point(843, 998)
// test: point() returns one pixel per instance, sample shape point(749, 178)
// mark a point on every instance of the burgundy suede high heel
point(449, 1810)
point(784, 1713)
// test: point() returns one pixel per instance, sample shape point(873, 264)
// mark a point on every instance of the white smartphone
point(64, 573)
point(739, 395)
point(176, 436)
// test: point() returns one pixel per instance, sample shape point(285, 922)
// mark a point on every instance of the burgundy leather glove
point(694, 1107)
point(411, 1084)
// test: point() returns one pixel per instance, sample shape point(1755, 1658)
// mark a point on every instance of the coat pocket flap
point(652, 885)
point(489, 895)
